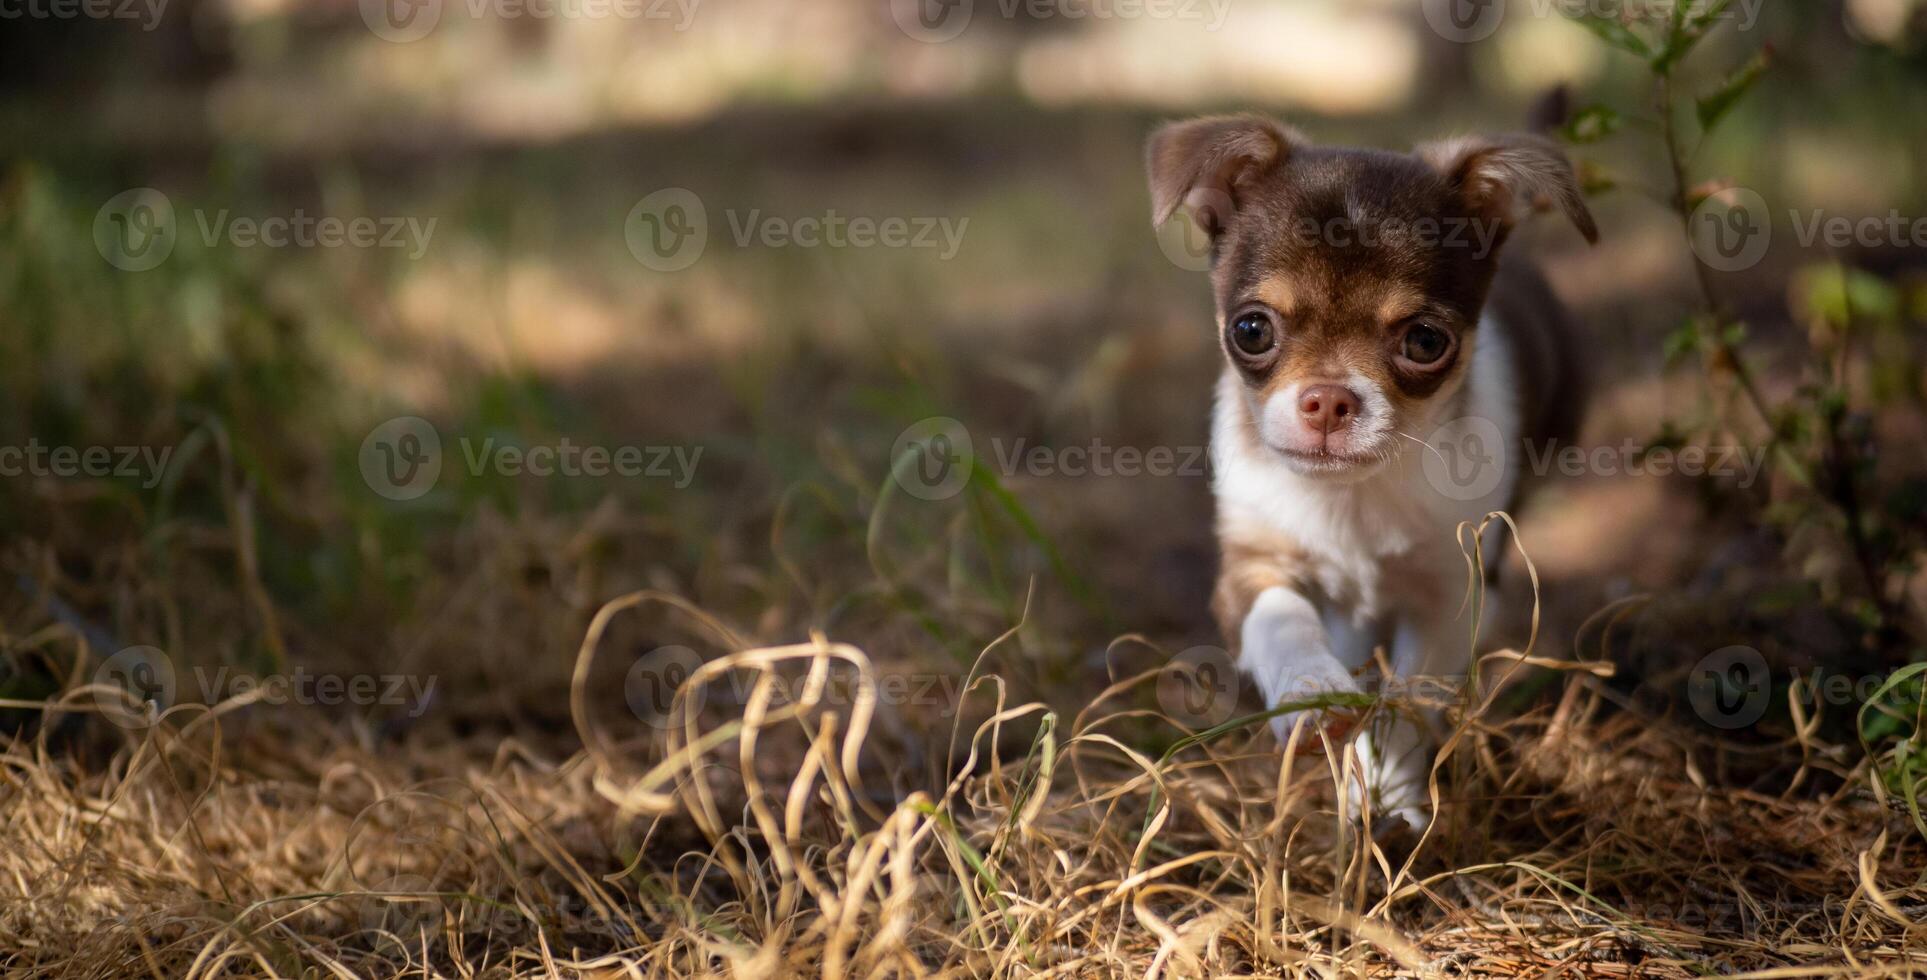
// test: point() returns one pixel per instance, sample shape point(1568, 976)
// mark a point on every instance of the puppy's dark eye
point(1425, 344)
point(1251, 333)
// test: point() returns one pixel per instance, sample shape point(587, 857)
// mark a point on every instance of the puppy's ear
point(1205, 163)
point(1507, 177)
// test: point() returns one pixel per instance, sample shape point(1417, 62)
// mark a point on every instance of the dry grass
point(526, 826)
point(1582, 837)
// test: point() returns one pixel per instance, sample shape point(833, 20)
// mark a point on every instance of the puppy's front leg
point(1429, 654)
point(1285, 649)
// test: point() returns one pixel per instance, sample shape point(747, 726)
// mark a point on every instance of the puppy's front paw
point(1289, 657)
point(1393, 766)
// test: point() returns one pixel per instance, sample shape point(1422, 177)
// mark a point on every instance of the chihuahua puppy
point(1367, 324)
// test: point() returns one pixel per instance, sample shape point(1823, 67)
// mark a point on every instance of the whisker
point(1434, 450)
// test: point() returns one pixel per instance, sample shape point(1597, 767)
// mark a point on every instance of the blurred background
point(534, 223)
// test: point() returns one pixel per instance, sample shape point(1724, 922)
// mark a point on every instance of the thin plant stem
point(1709, 298)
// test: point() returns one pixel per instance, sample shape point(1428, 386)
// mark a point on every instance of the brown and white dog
point(1368, 324)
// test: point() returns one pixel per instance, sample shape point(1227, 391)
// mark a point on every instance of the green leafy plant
point(1891, 723)
point(1819, 435)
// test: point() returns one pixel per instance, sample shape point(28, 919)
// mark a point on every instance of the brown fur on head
point(1349, 282)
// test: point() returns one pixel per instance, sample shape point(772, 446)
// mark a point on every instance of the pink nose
point(1326, 408)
